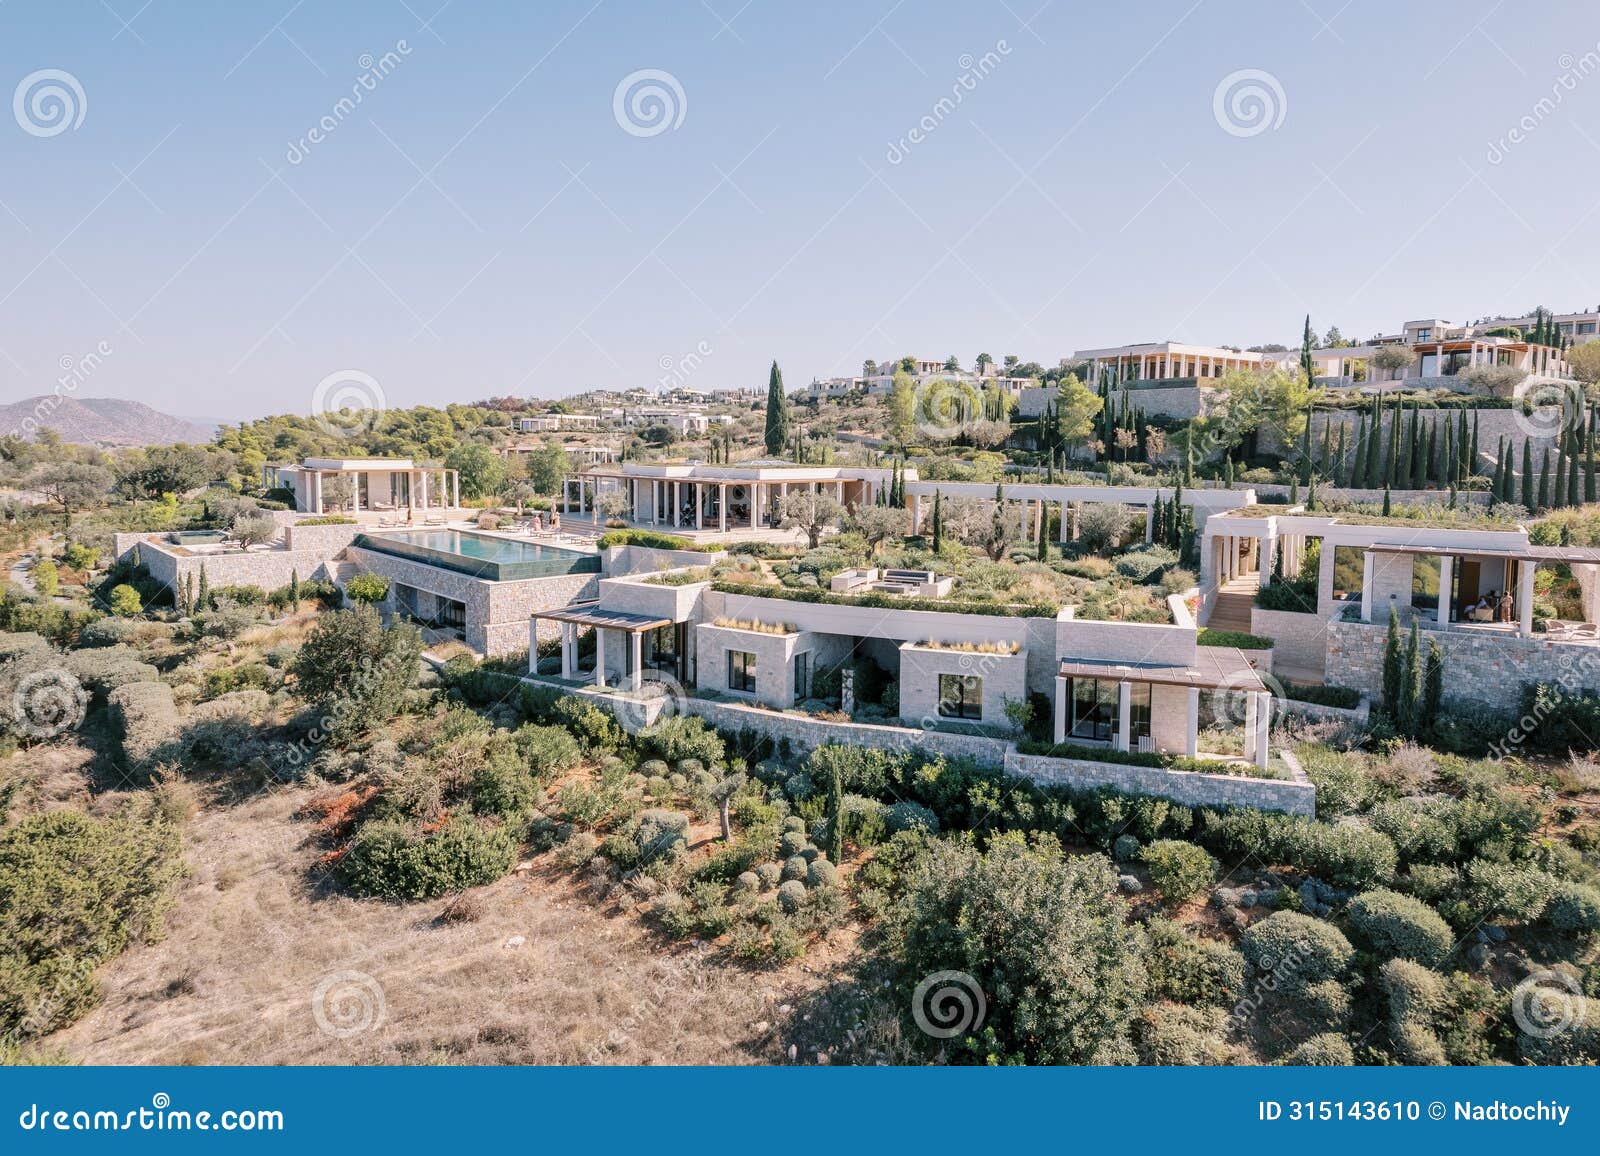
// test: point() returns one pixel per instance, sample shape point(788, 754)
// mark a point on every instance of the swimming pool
point(482, 555)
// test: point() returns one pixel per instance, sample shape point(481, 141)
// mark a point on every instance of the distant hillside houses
point(926, 370)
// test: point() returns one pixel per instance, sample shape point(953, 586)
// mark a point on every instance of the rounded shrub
point(1125, 848)
point(1301, 949)
point(769, 874)
point(799, 786)
point(392, 860)
point(1399, 926)
point(792, 843)
point(653, 769)
point(1179, 870)
point(660, 833)
point(689, 768)
point(747, 883)
point(1574, 907)
point(910, 817)
point(794, 868)
point(821, 874)
point(1415, 992)
point(791, 894)
point(1328, 1050)
point(795, 823)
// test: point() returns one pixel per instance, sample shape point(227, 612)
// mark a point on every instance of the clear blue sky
point(1083, 192)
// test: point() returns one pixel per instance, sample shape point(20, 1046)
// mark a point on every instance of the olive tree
point(812, 512)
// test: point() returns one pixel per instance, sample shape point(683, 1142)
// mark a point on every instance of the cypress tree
point(1375, 472)
point(1337, 473)
point(1386, 499)
point(1527, 475)
point(1323, 463)
point(1419, 450)
point(1432, 681)
point(1393, 456)
point(1402, 465)
point(1463, 450)
point(202, 596)
point(1574, 488)
point(1449, 460)
point(294, 589)
point(1558, 496)
point(1474, 454)
point(1304, 473)
point(1589, 491)
point(1544, 482)
point(1392, 659)
point(938, 520)
point(1410, 682)
point(1498, 481)
point(777, 432)
point(1358, 470)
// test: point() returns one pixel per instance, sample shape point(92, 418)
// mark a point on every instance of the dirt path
point(237, 977)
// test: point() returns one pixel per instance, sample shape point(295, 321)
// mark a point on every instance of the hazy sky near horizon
point(827, 182)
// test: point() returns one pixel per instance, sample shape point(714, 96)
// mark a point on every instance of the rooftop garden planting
point(755, 625)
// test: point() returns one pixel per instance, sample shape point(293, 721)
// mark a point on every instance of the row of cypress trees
point(1395, 446)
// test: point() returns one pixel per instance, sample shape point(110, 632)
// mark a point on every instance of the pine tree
point(778, 420)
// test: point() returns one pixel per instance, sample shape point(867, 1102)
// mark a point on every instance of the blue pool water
point(483, 556)
point(483, 547)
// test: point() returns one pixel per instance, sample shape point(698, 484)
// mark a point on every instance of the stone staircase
point(1231, 608)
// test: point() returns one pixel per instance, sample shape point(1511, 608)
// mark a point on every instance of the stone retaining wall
point(1479, 667)
point(1299, 640)
point(1186, 787)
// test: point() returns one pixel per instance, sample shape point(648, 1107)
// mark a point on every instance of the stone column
point(655, 502)
point(1366, 586)
point(1252, 732)
point(599, 657)
point(916, 512)
point(1525, 571)
point(1446, 572)
point(722, 507)
point(1149, 524)
point(699, 504)
point(1191, 728)
point(569, 651)
point(1269, 546)
point(1263, 728)
point(1062, 696)
point(1124, 715)
point(636, 671)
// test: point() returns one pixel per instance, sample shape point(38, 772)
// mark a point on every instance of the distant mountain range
point(100, 421)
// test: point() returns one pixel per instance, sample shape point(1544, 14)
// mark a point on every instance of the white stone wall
point(1125, 642)
point(1185, 787)
point(1004, 677)
point(774, 662)
point(1169, 718)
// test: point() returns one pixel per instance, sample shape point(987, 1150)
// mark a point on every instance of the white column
point(1124, 715)
point(1446, 568)
point(722, 507)
point(1149, 524)
point(636, 672)
point(599, 657)
point(1367, 567)
point(1269, 546)
point(569, 651)
point(455, 488)
point(1252, 732)
point(424, 482)
point(655, 502)
point(916, 513)
point(1191, 728)
point(1062, 694)
point(1263, 728)
point(1525, 572)
point(699, 504)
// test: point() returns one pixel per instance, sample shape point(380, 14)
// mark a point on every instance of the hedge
point(1234, 638)
point(1339, 696)
point(1343, 856)
point(651, 539)
point(390, 859)
point(887, 601)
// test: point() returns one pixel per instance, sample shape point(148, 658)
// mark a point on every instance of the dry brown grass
point(252, 937)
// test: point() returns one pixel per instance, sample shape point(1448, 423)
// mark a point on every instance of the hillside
point(102, 421)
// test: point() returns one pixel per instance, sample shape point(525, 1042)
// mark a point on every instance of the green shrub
point(682, 737)
point(821, 873)
point(795, 867)
point(392, 859)
point(660, 834)
point(1328, 1050)
point(367, 587)
point(146, 719)
point(791, 895)
point(1300, 949)
point(548, 750)
point(1339, 696)
point(909, 816)
point(1343, 856)
point(1172, 1035)
point(1416, 993)
point(1517, 894)
point(125, 601)
point(1179, 870)
point(769, 875)
point(1399, 926)
point(1574, 907)
point(651, 539)
point(1145, 564)
point(1186, 968)
point(75, 891)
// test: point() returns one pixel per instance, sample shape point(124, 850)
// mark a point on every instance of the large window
point(1425, 581)
point(1349, 570)
point(1094, 709)
point(1139, 714)
point(802, 675)
point(742, 671)
point(960, 696)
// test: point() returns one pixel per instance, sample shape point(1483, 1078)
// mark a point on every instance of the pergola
point(1526, 559)
point(635, 626)
point(1218, 668)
